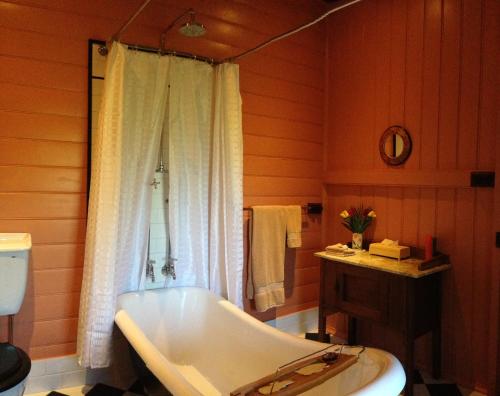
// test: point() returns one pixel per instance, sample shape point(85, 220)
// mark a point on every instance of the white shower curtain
point(189, 128)
point(226, 187)
point(206, 177)
point(200, 109)
point(124, 153)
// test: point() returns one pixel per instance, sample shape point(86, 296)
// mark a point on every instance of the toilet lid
point(15, 365)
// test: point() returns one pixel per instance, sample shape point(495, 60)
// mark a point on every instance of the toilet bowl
point(15, 364)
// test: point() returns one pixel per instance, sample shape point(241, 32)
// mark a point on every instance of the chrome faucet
point(155, 183)
point(169, 268)
point(150, 270)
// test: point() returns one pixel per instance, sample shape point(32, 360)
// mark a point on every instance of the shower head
point(192, 28)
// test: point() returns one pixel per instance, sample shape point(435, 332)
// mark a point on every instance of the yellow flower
point(372, 214)
point(344, 214)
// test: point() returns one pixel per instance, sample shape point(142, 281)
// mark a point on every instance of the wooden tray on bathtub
point(301, 383)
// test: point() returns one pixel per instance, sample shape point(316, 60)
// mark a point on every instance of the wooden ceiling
point(232, 25)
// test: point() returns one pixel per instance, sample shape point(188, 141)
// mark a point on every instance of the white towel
point(267, 257)
point(294, 226)
point(339, 250)
point(271, 227)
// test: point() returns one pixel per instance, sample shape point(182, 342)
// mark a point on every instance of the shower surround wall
point(431, 66)
point(158, 232)
point(43, 137)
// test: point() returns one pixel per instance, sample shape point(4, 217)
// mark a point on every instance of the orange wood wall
point(430, 66)
point(43, 132)
point(283, 102)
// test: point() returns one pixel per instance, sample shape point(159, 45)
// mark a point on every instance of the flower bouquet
point(357, 221)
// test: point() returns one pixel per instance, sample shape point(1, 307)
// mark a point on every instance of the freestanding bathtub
point(197, 343)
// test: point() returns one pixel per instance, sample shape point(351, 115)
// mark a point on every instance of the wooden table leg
point(409, 366)
point(436, 336)
point(351, 331)
point(321, 325)
point(436, 352)
point(321, 309)
point(410, 336)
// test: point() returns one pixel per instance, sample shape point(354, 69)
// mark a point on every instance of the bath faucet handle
point(150, 270)
point(155, 183)
point(169, 268)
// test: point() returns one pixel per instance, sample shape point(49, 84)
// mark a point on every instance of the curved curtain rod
point(117, 35)
point(290, 32)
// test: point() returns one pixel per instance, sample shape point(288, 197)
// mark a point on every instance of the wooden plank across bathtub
point(301, 383)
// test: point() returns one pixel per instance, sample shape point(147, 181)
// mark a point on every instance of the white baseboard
point(297, 323)
point(61, 372)
point(300, 323)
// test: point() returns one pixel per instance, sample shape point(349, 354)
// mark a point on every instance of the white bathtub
point(197, 343)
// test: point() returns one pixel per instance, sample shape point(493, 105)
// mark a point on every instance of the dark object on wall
point(395, 145)
point(482, 179)
point(314, 208)
point(498, 240)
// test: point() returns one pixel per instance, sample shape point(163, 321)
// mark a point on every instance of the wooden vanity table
point(393, 293)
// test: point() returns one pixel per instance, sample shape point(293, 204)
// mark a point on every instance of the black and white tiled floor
point(425, 385)
point(102, 390)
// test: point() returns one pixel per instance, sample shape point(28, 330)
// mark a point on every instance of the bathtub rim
point(156, 362)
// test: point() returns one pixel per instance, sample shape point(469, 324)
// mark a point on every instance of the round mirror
point(395, 145)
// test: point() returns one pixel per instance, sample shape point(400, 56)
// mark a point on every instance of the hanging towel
point(294, 226)
point(267, 257)
point(271, 227)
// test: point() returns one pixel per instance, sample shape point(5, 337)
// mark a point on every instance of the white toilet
point(15, 364)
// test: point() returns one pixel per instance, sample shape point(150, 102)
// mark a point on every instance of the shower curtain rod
point(117, 35)
point(290, 32)
point(180, 54)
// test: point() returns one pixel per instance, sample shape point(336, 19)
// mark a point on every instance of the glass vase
point(357, 240)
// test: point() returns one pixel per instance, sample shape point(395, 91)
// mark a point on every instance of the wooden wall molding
point(399, 178)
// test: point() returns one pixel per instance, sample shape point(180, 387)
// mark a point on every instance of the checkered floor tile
point(105, 390)
point(425, 385)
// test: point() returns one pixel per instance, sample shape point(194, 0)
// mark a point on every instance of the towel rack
point(309, 208)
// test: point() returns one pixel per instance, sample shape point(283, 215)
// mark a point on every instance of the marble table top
point(407, 267)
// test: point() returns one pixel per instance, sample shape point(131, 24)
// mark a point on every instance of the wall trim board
point(400, 177)
point(62, 372)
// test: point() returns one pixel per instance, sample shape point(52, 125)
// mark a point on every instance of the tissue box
point(397, 252)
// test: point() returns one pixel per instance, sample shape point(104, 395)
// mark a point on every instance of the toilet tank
point(14, 258)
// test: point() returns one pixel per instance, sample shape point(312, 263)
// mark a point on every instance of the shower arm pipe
point(290, 32)
point(163, 34)
point(162, 50)
point(118, 34)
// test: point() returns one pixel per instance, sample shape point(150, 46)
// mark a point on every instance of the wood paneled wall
point(432, 67)
point(283, 135)
point(43, 132)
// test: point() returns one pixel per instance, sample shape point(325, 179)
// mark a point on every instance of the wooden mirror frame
point(405, 136)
